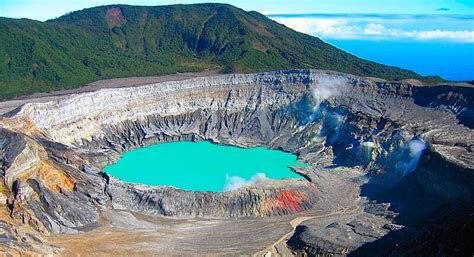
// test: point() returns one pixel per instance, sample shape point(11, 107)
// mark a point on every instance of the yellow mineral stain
point(4, 193)
point(52, 176)
point(55, 178)
point(23, 125)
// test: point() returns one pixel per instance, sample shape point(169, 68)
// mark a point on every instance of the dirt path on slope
point(279, 248)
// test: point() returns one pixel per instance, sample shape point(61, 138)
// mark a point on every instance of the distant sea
point(450, 60)
point(429, 44)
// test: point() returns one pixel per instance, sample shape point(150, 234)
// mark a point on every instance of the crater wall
point(53, 153)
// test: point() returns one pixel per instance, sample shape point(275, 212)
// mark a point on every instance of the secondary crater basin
point(202, 166)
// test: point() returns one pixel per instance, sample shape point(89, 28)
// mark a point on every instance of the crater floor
point(390, 164)
point(125, 231)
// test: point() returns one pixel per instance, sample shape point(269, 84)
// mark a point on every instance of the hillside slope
point(122, 41)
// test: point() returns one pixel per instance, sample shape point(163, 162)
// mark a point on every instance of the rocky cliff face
point(53, 153)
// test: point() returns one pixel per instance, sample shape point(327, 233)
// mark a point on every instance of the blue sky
point(48, 9)
point(449, 20)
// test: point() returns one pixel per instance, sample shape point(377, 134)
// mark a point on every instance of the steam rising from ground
point(326, 88)
point(331, 122)
point(368, 144)
point(366, 149)
point(235, 182)
point(412, 153)
point(323, 89)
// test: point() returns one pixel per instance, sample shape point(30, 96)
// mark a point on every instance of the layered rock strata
point(52, 153)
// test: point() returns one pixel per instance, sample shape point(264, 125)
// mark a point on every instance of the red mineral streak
point(114, 17)
point(287, 200)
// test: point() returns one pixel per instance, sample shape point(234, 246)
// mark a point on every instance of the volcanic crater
point(377, 150)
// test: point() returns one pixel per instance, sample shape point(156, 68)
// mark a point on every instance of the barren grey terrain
point(391, 168)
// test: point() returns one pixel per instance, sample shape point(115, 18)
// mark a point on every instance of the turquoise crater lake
point(202, 166)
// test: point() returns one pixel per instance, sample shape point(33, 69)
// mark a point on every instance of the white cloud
point(374, 29)
point(355, 28)
point(329, 28)
point(463, 35)
point(270, 13)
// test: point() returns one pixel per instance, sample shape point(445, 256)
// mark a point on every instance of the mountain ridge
point(123, 40)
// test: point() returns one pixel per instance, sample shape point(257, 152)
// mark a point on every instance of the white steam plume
point(415, 148)
point(368, 144)
point(366, 148)
point(235, 182)
point(326, 88)
point(331, 122)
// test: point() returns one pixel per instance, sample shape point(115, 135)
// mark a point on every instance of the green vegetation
point(123, 41)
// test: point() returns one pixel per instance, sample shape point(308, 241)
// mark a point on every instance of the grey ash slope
point(358, 141)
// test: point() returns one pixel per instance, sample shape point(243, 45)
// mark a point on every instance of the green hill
point(122, 41)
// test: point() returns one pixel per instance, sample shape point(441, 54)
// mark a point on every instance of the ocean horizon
point(452, 61)
point(429, 44)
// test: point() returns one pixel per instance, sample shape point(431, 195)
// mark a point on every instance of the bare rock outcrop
point(53, 153)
